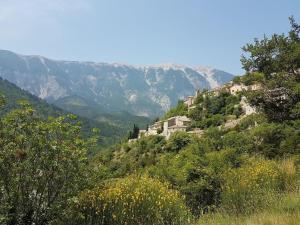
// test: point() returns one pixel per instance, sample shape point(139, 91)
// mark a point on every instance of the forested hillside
point(113, 128)
point(242, 168)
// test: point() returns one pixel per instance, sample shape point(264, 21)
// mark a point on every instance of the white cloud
point(22, 18)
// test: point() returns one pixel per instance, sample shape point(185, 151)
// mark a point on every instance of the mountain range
point(113, 129)
point(96, 90)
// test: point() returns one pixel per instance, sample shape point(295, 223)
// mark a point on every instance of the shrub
point(238, 141)
point(131, 200)
point(274, 140)
point(249, 188)
point(251, 121)
point(178, 141)
point(213, 121)
point(219, 161)
point(186, 171)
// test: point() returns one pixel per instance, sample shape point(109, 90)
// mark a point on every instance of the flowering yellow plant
point(133, 200)
point(248, 188)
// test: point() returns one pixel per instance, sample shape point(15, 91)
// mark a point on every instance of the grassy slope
point(282, 211)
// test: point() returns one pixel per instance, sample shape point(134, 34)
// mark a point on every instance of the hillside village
point(176, 123)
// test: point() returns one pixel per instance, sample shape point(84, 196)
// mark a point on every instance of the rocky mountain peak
point(148, 90)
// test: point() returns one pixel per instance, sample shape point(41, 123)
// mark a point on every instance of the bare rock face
point(141, 90)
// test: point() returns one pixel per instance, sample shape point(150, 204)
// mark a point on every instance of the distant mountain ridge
point(113, 127)
point(140, 90)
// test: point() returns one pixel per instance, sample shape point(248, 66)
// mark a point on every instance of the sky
point(142, 32)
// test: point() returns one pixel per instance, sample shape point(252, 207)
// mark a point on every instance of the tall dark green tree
point(134, 133)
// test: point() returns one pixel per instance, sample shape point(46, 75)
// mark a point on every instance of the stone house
point(236, 88)
point(255, 87)
point(155, 129)
point(216, 91)
point(176, 123)
point(189, 101)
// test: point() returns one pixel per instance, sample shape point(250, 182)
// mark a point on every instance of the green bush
point(275, 140)
point(178, 140)
point(238, 141)
point(187, 172)
point(251, 121)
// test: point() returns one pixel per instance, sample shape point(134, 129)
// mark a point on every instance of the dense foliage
point(214, 109)
point(41, 165)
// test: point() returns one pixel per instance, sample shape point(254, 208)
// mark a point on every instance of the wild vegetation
point(247, 174)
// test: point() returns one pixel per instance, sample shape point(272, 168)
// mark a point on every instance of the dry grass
point(255, 219)
point(284, 211)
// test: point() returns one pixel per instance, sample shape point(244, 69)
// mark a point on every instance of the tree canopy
point(280, 53)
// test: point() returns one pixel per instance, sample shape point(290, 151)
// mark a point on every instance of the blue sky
point(191, 32)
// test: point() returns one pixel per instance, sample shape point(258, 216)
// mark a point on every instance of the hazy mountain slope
point(141, 90)
point(112, 127)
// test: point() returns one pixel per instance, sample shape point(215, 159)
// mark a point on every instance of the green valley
point(113, 127)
